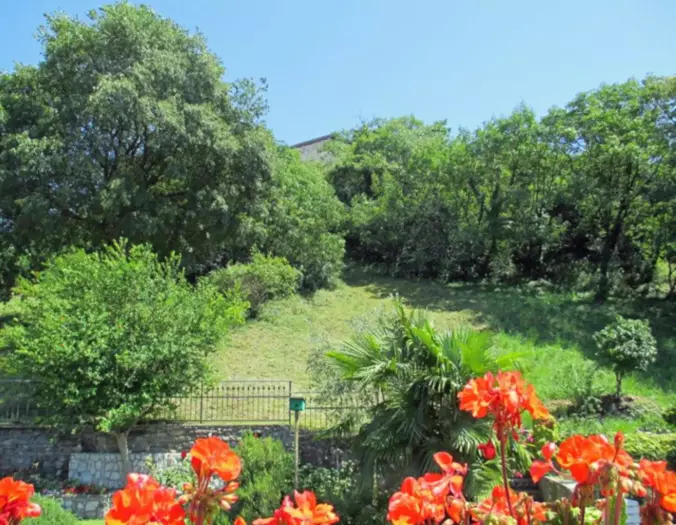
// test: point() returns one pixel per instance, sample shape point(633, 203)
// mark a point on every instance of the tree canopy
point(584, 193)
point(126, 128)
point(111, 336)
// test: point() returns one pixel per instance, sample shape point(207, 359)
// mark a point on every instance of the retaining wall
point(36, 448)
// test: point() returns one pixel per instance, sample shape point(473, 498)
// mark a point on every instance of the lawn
point(554, 329)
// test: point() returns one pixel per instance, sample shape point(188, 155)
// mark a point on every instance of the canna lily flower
point(662, 482)
point(306, 512)
point(527, 511)
point(591, 461)
point(15, 502)
point(428, 498)
point(487, 450)
point(143, 501)
point(504, 396)
point(213, 456)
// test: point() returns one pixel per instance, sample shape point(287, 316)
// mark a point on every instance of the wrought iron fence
point(227, 402)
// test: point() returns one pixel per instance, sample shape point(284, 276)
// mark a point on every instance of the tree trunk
point(125, 465)
point(618, 387)
point(606, 255)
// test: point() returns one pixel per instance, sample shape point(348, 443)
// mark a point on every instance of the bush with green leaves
point(259, 281)
point(173, 475)
point(355, 506)
point(267, 474)
point(669, 416)
point(107, 338)
point(628, 345)
point(652, 446)
point(52, 513)
point(304, 221)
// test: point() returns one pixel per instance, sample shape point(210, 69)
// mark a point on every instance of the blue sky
point(332, 63)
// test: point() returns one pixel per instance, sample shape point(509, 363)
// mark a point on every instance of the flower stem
point(505, 482)
point(618, 506)
point(582, 509)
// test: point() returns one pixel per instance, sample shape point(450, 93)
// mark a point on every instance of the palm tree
point(411, 374)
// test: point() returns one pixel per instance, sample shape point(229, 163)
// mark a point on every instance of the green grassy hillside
point(555, 329)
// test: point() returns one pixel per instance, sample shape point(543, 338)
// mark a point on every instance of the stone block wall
point(87, 506)
point(103, 469)
point(24, 447)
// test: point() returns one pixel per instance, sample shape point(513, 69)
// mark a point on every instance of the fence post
point(201, 402)
point(288, 394)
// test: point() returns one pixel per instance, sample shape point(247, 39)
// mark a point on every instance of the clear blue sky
point(332, 63)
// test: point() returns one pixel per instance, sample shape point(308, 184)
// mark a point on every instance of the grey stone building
point(312, 149)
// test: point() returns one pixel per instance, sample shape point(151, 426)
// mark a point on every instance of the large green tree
point(126, 128)
point(110, 337)
point(616, 159)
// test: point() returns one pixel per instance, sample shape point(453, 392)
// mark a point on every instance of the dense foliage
point(126, 128)
point(261, 280)
point(304, 220)
point(337, 485)
point(267, 473)
point(628, 345)
point(409, 374)
point(585, 195)
point(52, 514)
point(108, 337)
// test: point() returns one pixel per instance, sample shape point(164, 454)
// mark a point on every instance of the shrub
point(109, 337)
point(259, 281)
point(652, 446)
point(52, 513)
point(628, 344)
point(267, 472)
point(340, 487)
point(669, 416)
point(304, 221)
point(174, 475)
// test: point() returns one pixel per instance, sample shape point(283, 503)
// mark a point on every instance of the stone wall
point(103, 469)
point(87, 506)
point(553, 487)
point(23, 447)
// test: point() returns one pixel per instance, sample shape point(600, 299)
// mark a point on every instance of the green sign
point(297, 404)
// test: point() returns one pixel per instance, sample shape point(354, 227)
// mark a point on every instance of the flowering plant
point(597, 465)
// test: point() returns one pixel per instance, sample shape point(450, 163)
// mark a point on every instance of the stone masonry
point(25, 447)
point(103, 469)
point(87, 507)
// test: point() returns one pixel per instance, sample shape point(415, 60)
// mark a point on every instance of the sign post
point(297, 405)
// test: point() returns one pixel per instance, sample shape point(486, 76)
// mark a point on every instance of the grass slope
point(555, 329)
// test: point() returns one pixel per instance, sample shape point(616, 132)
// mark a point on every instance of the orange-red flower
point(654, 474)
point(590, 460)
point(504, 396)
point(487, 450)
point(430, 497)
point(526, 510)
point(15, 502)
point(212, 455)
point(306, 512)
point(143, 501)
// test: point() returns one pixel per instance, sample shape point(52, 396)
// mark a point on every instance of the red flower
point(548, 450)
point(487, 450)
point(143, 501)
point(504, 396)
point(15, 502)
point(496, 506)
point(588, 459)
point(184, 454)
point(430, 497)
point(213, 456)
point(306, 512)
point(654, 474)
